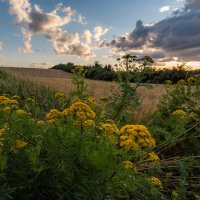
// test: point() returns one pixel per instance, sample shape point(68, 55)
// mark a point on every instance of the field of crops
point(63, 137)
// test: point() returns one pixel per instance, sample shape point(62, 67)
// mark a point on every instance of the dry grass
point(61, 81)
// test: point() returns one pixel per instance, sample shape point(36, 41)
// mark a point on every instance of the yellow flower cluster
point(29, 100)
point(128, 165)
point(19, 144)
point(174, 195)
point(153, 157)
point(91, 100)
point(65, 113)
point(59, 95)
point(109, 127)
point(82, 111)
point(79, 68)
point(21, 112)
point(40, 123)
point(53, 115)
point(2, 132)
point(5, 101)
point(89, 122)
point(15, 97)
point(179, 113)
point(135, 136)
point(6, 108)
point(156, 181)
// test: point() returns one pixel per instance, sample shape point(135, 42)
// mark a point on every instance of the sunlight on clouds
point(164, 9)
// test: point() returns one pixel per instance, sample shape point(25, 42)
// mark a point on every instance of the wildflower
point(82, 111)
point(174, 195)
point(65, 113)
point(89, 123)
point(79, 68)
point(4, 100)
point(52, 121)
point(29, 100)
point(109, 128)
point(53, 114)
point(91, 100)
point(179, 113)
point(139, 135)
point(13, 102)
point(156, 181)
point(128, 165)
point(19, 144)
point(40, 123)
point(6, 109)
point(21, 112)
point(153, 157)
point(15, 97)
point(59, 95)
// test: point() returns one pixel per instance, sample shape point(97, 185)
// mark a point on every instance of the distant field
point(61, 81)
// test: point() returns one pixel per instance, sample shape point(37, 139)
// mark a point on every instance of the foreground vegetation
point(58, 147)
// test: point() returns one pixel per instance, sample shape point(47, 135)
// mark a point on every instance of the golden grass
point(61, 81)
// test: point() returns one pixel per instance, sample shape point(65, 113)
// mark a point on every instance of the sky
point(42, 33)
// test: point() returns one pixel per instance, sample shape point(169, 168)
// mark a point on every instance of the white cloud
point(27, 41)
point(164, 9)
point(87, 36)
point(180, 0)
point(99, 32)
point(37, 22)
point(20, 8)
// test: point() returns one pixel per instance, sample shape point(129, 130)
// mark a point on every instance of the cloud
point(50, 24)
point(87, 36)
point(98, 32)
point(21, 9)
point(27, 41)
point(174, 36)
point(164, 9)
point(41, 65)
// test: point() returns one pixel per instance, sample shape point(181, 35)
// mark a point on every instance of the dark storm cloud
point(177, 35)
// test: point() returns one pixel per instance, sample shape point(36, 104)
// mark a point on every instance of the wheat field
point(62, 81)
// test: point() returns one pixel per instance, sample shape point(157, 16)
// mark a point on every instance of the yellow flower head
point(82, 111)
point(53, 114)
point(89, 123)
point(179, 113)
point(79, 68)
point(4, 100)
point(21, 112)
point(156, 181)
point(6, 109)
point(12, 101)
point(15, 97)
point(139, 135)
point(59, 95)
point(19, 144)
point(91, 100)
point(128, 165)
point(110, 128)
point(153, 157)
point(65, 113)
point(40, 123)
point(29, 100)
